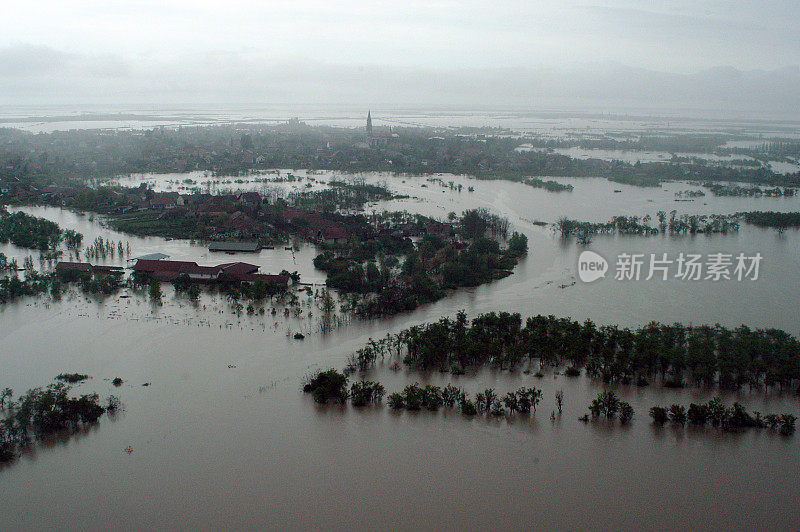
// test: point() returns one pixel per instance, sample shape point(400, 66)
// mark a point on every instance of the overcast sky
point(172, 49)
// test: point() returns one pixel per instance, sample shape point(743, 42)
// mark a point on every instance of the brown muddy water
point(217, 446)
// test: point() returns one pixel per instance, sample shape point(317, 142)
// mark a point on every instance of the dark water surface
point(214, 446)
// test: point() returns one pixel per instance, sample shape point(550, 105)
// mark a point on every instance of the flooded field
point(223, 436)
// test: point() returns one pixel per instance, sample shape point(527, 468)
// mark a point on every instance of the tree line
point(673, 354)
point(549, 185)
point(719, 189)
point(667, 224)
point(715, 414)
point(778, 220)
point(26, 231)
point(331, 386)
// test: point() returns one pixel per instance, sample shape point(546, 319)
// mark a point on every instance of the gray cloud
point(29, 60)
point(40, 75)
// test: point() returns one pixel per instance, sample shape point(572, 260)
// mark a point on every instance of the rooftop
point(234, 246)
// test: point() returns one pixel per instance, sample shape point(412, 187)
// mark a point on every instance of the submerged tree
point(364, 392)
point(155, 291)
point(625, 412)
point(5, 395)
point(327, 385)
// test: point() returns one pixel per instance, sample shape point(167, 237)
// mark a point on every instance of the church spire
point(369, 125)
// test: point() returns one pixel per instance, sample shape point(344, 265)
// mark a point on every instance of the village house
point(249, 198)
point(86, 267)
point(170, 270)
point(331, 234)
point(166, 200)
point(317, 227)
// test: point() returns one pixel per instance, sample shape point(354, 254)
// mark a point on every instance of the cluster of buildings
point(317, 227)
point(241, 217)
point(433, 228)
point(170, 270)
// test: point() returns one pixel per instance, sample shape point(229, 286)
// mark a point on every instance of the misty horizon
point(730, 59)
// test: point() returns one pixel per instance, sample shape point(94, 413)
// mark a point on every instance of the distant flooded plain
point(223, 436)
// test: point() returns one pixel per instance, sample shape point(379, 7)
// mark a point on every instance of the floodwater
point(224, 437)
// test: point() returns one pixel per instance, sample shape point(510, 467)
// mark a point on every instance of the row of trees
point(431, 397)
point(671, 224)
point(550, 186)
point(738, 191)
point(235, 289)
point(102, 248)
point(12, 287)
point(675, 354)
point(778, 220)
point(103, 283)
point(341, 196)
point(716, 414)
point(35, 283)
point(331, 385)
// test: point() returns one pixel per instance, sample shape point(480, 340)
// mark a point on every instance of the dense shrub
point(327, 385)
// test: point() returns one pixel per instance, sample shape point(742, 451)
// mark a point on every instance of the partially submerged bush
point(659, 415)
point(44, 411)
point(327, 385)
point(72, 378)
point(364, 392)
point(607, 404)
point(432, 397)
point(468, 408)
point(625, 412)
point(113, 404)
point(395, 400)
point(451, 395)
point(413, 396)
point(677, 414)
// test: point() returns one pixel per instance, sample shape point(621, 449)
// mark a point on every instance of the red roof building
point(73, 267)
point(169, 270)
point(237, 268)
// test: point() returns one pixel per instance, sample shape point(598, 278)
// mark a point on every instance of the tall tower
point(369, 126)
